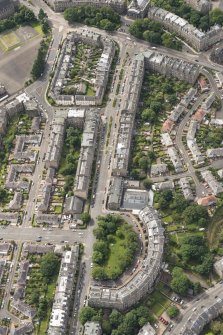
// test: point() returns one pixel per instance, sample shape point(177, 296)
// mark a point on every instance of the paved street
point(198, 306)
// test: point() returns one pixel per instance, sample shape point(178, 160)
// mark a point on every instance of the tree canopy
point(104, 17)
point(153, 32)
point(180, 283)
point(23, 15)
point(49, 265)
point(172, 311)
point(111, 231)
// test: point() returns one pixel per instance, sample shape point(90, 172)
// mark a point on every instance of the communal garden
point(115, 247)
point(19, 125)
point(83, 71)
point(209, 137)
point(69, 157)
point(188, 249)
point(67, 169)
point(153, 32)
point(41, 286)
point(158, 97)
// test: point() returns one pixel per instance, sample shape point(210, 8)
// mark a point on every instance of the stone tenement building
point(7, 8)
point(202, 6)
point(61, 5)
point(138, 8)
point(61, 76)
point(196, 38)
point(156, 62)
point(144, 277)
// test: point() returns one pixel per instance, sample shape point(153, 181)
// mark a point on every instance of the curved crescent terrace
point(137, 286)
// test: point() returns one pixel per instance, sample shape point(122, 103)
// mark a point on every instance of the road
point(197, 307)
point(200, 190)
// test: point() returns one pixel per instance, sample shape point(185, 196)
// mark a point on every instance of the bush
point(172, 311)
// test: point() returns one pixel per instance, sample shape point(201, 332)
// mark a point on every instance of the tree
point(156, 106)
point(99, 233)
point(103, 17)
point(216, 16)
point(85, 217)
point(147, 183)
point(165, 198)
point(115, 318)
point(98, 257)
point(143, 163)
point(172, 311)
point(193, 248)
point(42, 15)
point(179, 203)
point(86, 314)
point(101, 246)
point(197, 288)
point(45, 27)
point(193, 213)
point(3, 194)
point(106, 25)
point(148, 115)
point(206, 266)
point(98, 273)
point(39, 64)
point(49, 265)
point(216, 327)
point(180, 283)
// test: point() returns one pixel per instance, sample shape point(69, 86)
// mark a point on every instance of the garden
point(67, 169)
point(19, 125)
point(186, 224)
point(41, 286)
point(82, 73)
point(209, 137)
point(69, 158)
point(159, 95)
point(115, 247)
point(153, 32)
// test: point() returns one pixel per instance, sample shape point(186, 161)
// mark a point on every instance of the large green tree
point(49, 265)
point(180, 283)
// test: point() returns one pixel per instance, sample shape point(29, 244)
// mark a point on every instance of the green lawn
point(9, 40)
point(58, 209)
point(117, 253)
point(158, 303)
point(37, 27)
point(120, 245)
point(37, 285)
point(90, 92)
point(181, 236)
